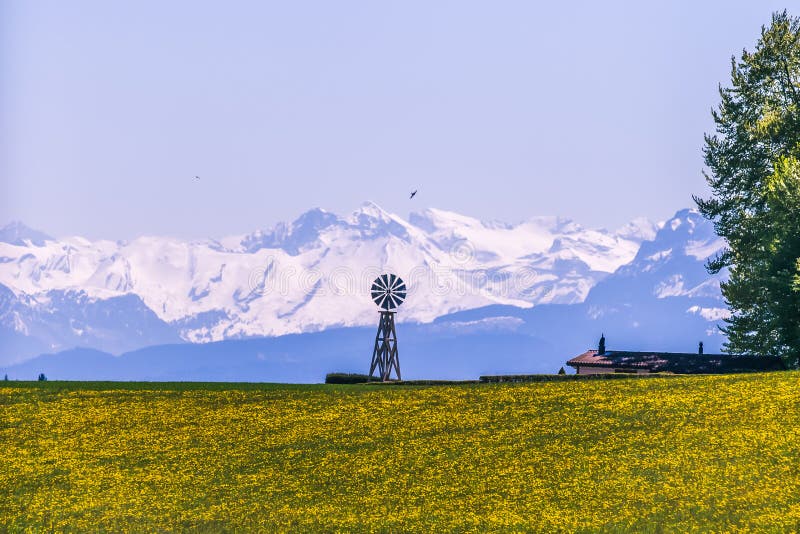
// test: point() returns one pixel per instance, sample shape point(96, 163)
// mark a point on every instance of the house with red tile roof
point(644, 362)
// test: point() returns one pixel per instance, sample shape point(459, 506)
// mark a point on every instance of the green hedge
point(424, 382)
point(347, 378)
point(565, 377)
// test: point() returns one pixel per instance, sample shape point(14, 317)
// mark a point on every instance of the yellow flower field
point(704, 453)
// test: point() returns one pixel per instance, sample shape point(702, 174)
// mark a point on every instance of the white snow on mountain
point(314, 273)
point(668, 265)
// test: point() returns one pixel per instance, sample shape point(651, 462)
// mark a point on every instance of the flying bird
point(412, 194)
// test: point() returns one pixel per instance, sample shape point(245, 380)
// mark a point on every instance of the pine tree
point(755, 204)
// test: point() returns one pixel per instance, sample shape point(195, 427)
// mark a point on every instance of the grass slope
point(702, 453)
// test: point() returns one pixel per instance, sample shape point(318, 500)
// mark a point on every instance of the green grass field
point(679, 454)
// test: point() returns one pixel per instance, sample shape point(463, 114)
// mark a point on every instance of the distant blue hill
point(424, 353)
point(70, 319)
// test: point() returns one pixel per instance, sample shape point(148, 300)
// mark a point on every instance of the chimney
point(700, 348)
point(601, 347)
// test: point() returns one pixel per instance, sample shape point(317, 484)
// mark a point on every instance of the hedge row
point(557, 378)
point(347, 378)
point(424, 382)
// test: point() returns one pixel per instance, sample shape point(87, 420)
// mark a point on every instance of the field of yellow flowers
point(680, 454)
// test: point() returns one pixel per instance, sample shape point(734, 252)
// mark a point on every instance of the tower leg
point(393, 356)
point(384, 354)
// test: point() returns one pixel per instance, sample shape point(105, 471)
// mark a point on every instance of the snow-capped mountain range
point(314, 273)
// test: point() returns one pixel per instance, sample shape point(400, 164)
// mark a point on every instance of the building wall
point(584, 370)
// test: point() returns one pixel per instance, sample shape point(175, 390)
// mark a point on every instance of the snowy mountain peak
point(370, 221)
point(669, 265)
point(371, 209)
point(688, 233)
point(294, 237)
point(639, 228)
point(16, 233)
point(433, 220)
point(317, 217)
point(371, 214)
point(314, 272)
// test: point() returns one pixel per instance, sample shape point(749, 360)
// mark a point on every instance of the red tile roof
point(591, 358)
point(677, 362)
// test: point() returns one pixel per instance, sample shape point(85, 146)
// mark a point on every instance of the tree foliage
point(754, 163)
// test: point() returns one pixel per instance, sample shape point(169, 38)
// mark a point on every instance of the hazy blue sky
point(500, 110)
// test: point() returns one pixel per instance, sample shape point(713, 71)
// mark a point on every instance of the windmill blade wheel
point(388, 291)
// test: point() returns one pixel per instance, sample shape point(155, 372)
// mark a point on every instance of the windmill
point(388, 291)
